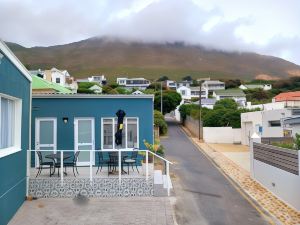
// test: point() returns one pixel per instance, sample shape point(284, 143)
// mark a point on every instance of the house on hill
point(291, 99)
point(265, 87)
point(236, 94)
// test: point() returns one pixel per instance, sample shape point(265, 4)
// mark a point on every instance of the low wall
point(278, 170)
point(193, 126)
point(227, 135)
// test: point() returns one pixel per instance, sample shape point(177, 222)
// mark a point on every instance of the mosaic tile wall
point(100, 187)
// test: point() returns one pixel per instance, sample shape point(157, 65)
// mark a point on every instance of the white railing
point(146, 152)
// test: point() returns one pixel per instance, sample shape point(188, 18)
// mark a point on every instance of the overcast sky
point(265, 26)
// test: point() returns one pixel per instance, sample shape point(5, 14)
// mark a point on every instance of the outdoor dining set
point(105, 159)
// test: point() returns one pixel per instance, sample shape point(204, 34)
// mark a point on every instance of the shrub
point(159, 121)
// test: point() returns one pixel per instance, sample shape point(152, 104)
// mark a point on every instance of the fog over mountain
point(269, 27)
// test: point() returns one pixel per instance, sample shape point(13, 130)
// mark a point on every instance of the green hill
point(119, 58)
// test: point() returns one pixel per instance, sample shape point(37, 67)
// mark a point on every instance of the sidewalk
point(280, 210)
point(102, 211)
point(239, 154)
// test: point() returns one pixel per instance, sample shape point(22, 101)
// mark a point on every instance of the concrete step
point(167, 179)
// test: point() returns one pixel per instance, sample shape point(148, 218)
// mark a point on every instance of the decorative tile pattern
point(99, 187)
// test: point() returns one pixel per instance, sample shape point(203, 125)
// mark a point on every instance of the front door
point(45, 137)
point(84, 140)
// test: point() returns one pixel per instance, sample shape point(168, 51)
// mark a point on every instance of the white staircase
point(162, 184)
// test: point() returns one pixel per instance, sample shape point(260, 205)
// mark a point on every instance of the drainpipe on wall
point(28, 164)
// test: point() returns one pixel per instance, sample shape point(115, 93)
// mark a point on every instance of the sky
point(270, 27)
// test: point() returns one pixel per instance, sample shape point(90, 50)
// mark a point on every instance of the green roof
point(253, 86)
point(231, 92)
point(40, 84)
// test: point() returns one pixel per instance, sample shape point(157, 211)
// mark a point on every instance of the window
point(57, 80)
point(129, 134)
point(10, 125)
point(274, 123)
point(183, 92)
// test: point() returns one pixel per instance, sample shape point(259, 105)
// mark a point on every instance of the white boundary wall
point(281, 183)
point(227, 135)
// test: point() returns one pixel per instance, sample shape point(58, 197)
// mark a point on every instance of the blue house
point(15, 101)
point(87, 122)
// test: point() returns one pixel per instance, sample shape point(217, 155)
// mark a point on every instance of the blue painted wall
point(13, 167)
point(91, 107)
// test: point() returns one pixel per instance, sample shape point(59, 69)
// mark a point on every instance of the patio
point(101, 185)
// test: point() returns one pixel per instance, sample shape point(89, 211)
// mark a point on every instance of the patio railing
point(119, 151)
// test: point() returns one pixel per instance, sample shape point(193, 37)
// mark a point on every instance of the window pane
point(84, 131)
point(132, 133)
point(107, 134)
point(46, 132)
point(7, 123)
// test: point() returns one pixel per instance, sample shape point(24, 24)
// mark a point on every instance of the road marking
point(238, 188)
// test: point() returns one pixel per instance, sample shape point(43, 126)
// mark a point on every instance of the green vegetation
point(295, 145)
point(83, 87)
point(259, 96)
point(225, 114)
point(163, 78)
point(159, 121)
point(171, 99)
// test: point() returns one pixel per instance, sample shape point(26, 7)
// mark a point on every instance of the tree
point(226, 103)
point(83, 87)
point(159, 121)
point(232, 83)
point(171, 99)
point(163, 78)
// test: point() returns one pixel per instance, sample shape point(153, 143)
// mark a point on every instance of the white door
point(45, 137)
point(84, 140)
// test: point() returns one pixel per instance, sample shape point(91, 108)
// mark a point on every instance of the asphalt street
point(204, 195)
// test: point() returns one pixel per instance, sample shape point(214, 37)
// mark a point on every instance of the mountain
point(121, 58)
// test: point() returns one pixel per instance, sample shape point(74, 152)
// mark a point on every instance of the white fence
point(227, 135)
point(277, 169)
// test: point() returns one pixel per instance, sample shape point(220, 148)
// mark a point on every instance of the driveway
point(204, 195)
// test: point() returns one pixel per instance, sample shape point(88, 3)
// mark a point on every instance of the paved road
point(204, 195)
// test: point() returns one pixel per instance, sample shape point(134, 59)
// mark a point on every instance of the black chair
point(42, 164)
point(102, 161)
point(72, 164)
point(132, 161)
point(113, 162)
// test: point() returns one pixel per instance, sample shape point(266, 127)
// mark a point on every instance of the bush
point(159, 121)
point(171, 99)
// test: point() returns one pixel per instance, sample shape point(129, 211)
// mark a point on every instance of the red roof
point(288, 96)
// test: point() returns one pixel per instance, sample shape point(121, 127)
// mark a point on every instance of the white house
point(61, 77)
point(207, 103)
point(265, 87)
point(236, 94)
point(213, 85)
point(185, 83)
point(187, 93)
point(129, 83)
point(96, 89)
point(270, 123)
point(101, 79)
point(170, 84)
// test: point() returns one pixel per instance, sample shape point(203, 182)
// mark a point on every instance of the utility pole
point(161, 98)
point(200, 108)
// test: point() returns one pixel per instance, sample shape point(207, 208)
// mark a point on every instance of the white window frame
point(115, 120)
point(17, 127)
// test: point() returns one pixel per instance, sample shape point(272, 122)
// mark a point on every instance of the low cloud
point(267, 27)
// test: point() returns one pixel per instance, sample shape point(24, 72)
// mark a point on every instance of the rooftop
point(231, 92)
point(288, 96)
point(41, 84)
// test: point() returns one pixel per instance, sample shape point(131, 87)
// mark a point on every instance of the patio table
point(56, 157)
point(114, 156)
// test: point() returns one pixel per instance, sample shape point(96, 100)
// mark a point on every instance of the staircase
point(161, 184)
